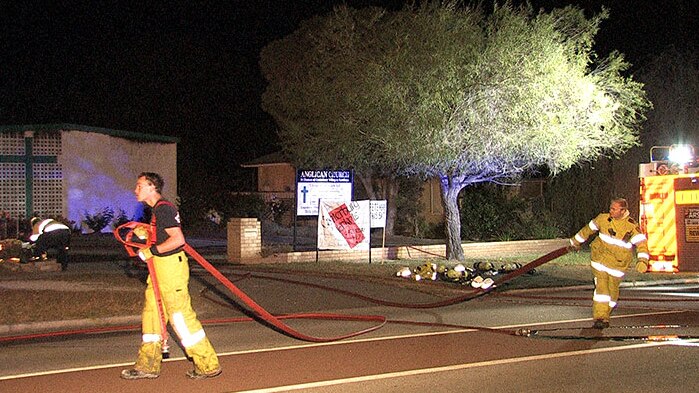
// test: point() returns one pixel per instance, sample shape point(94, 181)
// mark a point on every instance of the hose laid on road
point(277, 321)
point(471, 293)
point(248, 301)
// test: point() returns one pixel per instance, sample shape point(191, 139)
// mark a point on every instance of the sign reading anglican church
point(311, 186)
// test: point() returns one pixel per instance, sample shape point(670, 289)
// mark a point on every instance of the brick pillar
point(244, 239)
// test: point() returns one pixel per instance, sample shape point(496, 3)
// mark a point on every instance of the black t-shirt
point(166, 216)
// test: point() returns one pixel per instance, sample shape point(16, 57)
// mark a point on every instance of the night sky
point(191, 70)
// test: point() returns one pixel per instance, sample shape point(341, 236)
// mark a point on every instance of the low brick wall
point(244, 239)
point(437, 251)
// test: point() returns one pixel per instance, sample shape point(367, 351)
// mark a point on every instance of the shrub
point(489, 212)
point(120, 219)
point(279, 209)
point(242, 205)
point(99, 220)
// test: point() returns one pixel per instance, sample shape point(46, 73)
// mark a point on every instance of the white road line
point(416, 335)
point(345, 342)
point(455, 367)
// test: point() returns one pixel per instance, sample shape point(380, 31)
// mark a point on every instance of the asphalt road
point(471, 346)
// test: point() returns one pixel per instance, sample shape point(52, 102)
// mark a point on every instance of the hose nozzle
point(165, 350)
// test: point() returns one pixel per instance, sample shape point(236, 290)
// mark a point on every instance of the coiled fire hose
point(130, 244)
point(131, 249)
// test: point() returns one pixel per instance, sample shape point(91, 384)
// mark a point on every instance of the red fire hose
point(131, 248)
point(256, 308)
point(470, 293)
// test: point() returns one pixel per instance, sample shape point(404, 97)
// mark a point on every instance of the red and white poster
point(343, 225)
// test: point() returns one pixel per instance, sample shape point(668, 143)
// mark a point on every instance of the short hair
point(621, 201)
point(155, 179)
point(34, 220)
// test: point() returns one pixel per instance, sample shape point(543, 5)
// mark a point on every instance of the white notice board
point(311, 186)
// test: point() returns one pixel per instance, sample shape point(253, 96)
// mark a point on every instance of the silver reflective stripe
point(53, 227)
point(151, 338)
point(188, 339)
point(43, 225)
point(638, 238)
point(601, 298)
point(593, 226)
point(614, 241)
point(612, 272)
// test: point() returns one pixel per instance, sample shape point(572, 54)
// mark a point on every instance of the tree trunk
point(452, 218)
point(391, 210)
point(386, 188)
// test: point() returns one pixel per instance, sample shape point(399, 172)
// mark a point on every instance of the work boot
point(600, 324)
point(137, 374)
point(194, 374)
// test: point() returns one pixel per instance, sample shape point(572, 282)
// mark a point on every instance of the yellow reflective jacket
point(613, 246)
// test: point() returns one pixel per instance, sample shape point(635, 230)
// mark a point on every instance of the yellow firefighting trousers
point(606, 293)
point(172, 273)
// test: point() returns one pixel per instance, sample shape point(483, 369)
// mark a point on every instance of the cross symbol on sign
point(304, 191)
point(28, 159)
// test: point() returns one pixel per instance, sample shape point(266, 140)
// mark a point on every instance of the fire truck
point(669, 208)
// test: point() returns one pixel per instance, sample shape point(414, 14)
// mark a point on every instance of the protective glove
point(573, 246)
point(642, 266)
point(141, 232)
point(145, 253)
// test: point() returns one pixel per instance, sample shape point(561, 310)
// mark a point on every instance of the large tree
point(318, 92)
point(460, 94)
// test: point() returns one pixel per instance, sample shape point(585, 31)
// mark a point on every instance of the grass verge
point(117, 291)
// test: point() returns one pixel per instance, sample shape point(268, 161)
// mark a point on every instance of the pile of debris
point(481, 275)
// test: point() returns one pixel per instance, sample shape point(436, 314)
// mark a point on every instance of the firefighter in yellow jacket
point(611, 255)
point(172, 272)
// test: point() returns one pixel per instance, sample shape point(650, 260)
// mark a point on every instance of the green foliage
point(194, 207)
point(241, 206)
point(120, 218)
point(441, 90)
point(487, 213)
point(280, 208)
point(99, 220)
point(581, 193)
point(490, 212)
point(408, 220)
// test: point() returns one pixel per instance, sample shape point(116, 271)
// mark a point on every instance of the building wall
point(70, 171)
point(276, 178)
point(100, 171)
point(31, 178)
point(431, 202)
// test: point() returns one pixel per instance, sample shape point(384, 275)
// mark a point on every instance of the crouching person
point(49, 234)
